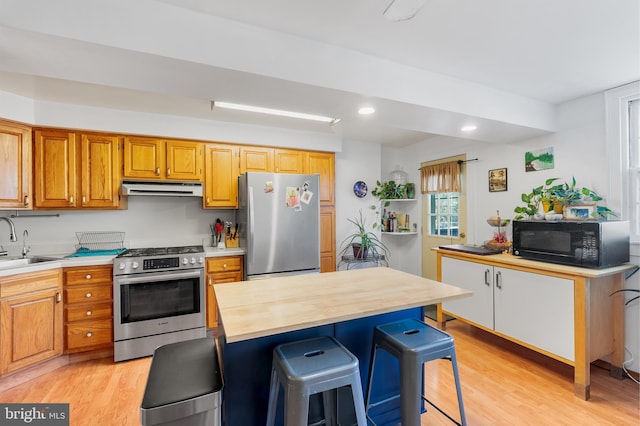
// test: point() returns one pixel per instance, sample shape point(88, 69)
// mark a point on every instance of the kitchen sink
point(15, 262)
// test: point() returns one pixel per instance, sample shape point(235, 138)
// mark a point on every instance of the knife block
point(231, 242)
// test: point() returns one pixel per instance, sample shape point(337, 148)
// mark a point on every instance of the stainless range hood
point(162, 188)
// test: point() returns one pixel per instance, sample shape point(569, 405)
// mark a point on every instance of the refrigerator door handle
point(251, 223)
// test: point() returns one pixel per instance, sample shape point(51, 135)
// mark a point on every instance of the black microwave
point(589, 243)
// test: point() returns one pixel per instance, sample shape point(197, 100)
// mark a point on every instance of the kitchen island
point(258, 315)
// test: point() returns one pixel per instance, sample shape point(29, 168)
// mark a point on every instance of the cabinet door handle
point(486, 276)
point(88, 295)
point(89, 334)
point(71, 200)
point(89, 313)
point(26, 200)
point(84, 200)
point(88, 276)
point(168, 171)
point(210, 281)
point(58, 297)
point(157, 171)
point(499, 280)
point(224, 266)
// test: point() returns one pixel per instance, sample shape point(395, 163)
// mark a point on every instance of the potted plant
point(533, 199)
point(555, 197)
point(566, 194)
point(362, 241)
point(389, 190)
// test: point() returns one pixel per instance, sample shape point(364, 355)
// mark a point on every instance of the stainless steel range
point(159, 298)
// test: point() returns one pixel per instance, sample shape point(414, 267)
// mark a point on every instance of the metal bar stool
point(308, 367)
point(413, 343)
point(184, 385)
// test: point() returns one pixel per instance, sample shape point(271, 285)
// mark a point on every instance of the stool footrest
point(382, 401)
point(441, 411)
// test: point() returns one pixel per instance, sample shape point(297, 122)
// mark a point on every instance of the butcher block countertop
point(252, 309)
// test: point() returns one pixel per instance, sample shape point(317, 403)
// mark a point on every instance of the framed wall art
point(579, 211)
point(541, 159)
point(498, 180)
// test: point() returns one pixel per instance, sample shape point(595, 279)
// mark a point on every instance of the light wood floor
point(502, 384)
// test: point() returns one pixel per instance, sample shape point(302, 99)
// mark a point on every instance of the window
point(634, 168)
point(444, 214)
point(623, 150)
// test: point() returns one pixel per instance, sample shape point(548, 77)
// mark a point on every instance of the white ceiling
point(502, 64)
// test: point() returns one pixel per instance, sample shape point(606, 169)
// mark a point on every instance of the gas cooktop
point(161, 251)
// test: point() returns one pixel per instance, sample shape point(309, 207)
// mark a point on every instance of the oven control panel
point(123, 266)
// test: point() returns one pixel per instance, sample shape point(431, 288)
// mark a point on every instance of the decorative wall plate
point(360, 189)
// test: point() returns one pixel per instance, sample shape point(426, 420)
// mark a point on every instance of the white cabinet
point(477, 278)
point(529, 308)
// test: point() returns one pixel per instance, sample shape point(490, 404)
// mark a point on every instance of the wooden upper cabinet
point(324, 164)
point(184, 160)
point(100, 178)
point(221, 176)
point(15, 166)
point(288, 161)
point(144, 158)
point(256, 159)
point(55, 169)
point(149, 158)
point(76, 170)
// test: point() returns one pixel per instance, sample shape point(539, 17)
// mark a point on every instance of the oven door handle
point(151, 278)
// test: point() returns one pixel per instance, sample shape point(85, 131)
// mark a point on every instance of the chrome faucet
point(25, 249)
point(12, 232)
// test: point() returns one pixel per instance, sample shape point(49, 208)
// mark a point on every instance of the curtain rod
point(466, 161)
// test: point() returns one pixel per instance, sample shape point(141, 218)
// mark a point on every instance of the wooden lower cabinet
point(30, 318)
point(220, 270)
point(327, 239)
point(88, 309)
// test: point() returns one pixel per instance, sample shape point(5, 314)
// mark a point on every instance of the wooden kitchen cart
point(568, 313)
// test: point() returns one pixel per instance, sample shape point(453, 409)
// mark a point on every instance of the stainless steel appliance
point(159, 298)
point(279, 223)
point(589, 243)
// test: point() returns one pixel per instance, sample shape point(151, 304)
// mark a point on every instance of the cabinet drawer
point(88, 276)
point(224, 264)
point(225, 277)
point(82, 294)
point(89, 311)
point(89, 333)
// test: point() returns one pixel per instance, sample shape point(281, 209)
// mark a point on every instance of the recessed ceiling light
point(271, 111)
point(469, 128)
point(366, 110)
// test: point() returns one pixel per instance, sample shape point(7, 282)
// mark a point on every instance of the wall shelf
point(400, 233)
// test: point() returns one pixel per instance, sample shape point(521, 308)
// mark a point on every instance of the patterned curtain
point(442, 177)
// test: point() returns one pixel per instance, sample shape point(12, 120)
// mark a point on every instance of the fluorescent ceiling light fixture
point(469, 128)
point(282, 113)
point(402, 10)
point(366, 110)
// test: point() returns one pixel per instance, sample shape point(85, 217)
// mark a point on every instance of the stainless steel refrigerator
point(279, 223)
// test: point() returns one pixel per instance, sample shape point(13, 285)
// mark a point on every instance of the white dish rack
point(106, 242)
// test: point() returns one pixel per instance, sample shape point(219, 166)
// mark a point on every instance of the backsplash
point(148, 222)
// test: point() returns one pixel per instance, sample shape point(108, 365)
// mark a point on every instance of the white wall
point(148, 222)
point(580, 151)
point(358, 161)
